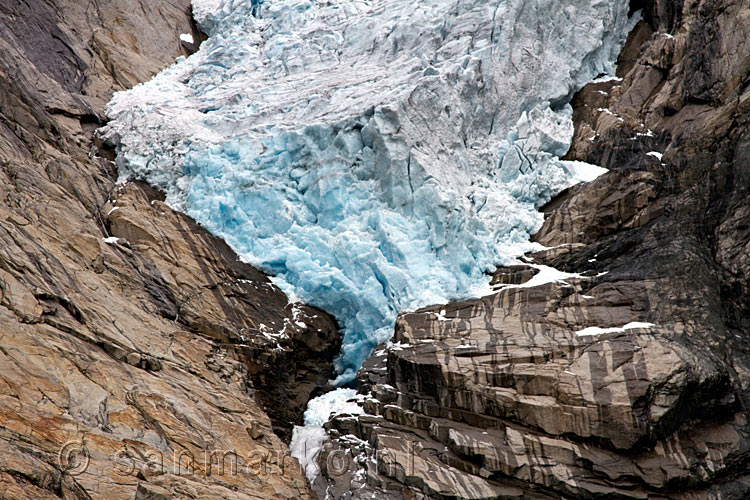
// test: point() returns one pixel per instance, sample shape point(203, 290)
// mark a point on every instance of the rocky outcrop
point(136, 351)
point(511, 397)
point(196, 281)
point(629, 379)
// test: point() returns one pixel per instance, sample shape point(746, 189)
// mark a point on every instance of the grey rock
point(500, 397)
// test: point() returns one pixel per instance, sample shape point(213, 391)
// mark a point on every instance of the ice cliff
point(374, 156)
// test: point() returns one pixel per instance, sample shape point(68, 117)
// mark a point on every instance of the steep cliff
point(138, 354)
point(130, 339)
point(625, 375)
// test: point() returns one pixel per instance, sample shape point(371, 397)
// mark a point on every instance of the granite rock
point(628, 380)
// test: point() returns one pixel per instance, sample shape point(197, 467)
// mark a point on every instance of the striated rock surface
point(133, 344)
point(137, 354)
point(627, 375)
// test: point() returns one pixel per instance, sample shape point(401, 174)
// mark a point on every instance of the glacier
point(374, 156)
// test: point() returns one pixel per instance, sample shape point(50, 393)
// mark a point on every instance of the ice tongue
point(375, 156)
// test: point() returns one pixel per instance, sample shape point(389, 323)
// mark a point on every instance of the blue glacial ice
point(375, 156)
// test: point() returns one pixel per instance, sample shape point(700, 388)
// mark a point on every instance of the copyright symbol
point(338, 463)
point(73, 458)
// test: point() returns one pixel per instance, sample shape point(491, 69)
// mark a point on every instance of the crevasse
point(373, 155)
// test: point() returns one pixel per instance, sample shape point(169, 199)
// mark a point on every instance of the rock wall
point(630, 379)
point(130, 339)
point(132, 342)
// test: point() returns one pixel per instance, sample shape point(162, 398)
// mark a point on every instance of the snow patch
point(595, 330)
point(606, 78)
point(582, 171)
point(609, 112)
point(545, 275)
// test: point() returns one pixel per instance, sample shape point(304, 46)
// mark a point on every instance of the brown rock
point(130, 339)
point(133, 359)
point(147, 491)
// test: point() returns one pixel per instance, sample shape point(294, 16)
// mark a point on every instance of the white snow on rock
point(187, 38)
point(545, 275)
point(595, 330)
point(655, 154)
point(585, 172)
point(373, 155)
point(606, 78)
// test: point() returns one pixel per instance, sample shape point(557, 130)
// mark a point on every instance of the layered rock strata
point(628, 379)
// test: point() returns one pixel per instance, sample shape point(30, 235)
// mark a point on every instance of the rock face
point(629, 380)
point(137, 353)
point(133, 345)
